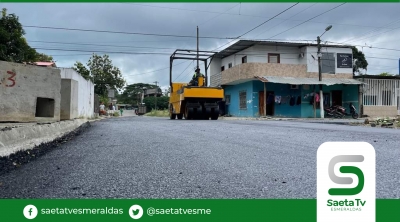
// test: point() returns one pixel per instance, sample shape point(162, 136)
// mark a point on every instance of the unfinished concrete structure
point(29, 93)
point(77, 95)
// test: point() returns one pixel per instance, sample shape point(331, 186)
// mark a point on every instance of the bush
point(158, 113)
point(116, 114)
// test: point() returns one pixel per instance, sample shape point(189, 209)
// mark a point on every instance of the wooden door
point(271, 106)
point(261, 101)
point(337, 97)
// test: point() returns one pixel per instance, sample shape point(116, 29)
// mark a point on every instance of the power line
point(147, 34)
point(89, 44)
point(370, 32)
point(182, 72)
point(251, 15)
point(309, 19)
point(269, 19)
point(371, 47)
point(259, 25)
point(377, 34)
point(218, 15)
point(286, 20)
point(144, 73)
point(113, 52)
point(160, 53)
point(380, 58)
point(121, 32)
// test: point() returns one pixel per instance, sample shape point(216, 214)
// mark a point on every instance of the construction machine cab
point(198, 79)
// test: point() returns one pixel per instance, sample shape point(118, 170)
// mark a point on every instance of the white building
point(249, 71)
point(77, 95)
point(381, 95)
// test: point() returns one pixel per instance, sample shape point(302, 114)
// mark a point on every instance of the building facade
point(29, 93)
point(77, 95)
point(280, 79)
point(381, 95)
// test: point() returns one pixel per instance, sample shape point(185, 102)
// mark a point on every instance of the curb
point(16, 160)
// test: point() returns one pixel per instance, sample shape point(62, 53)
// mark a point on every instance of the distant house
point(45, 64)
point(381, 95)
point(153, 92)
point(264, 78)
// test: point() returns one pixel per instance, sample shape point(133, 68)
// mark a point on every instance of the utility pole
point(198, 67)
point(321, 94)
point(156, 94)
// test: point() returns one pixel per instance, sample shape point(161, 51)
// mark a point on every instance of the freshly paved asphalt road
point(145, 157)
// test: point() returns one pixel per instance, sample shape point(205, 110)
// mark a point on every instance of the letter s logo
point(346, 180)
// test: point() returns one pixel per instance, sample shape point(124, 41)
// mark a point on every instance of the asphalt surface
point(148, 157)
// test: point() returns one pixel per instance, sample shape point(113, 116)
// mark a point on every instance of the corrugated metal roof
point(44, 63)
point(307, 81)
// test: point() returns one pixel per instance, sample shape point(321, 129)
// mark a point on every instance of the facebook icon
point(30, 212)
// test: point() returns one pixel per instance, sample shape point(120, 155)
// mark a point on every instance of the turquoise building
point(280, 79)
point(286, 100)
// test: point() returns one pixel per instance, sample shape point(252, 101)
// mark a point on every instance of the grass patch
point(158, 113)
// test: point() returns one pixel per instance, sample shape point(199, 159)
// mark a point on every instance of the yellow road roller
point(194, 100)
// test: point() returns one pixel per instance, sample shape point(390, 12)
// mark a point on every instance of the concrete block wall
point(79, 93)
point(29, 93)
point(69, 99)
point(380, 111)
point(249, 70)
point(215, 80)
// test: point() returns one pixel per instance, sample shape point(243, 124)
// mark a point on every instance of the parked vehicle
point(340, 111)
point(141, 110)
point(333, 112)
point(353, 111)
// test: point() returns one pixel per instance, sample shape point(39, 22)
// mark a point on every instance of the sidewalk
point(308, 120)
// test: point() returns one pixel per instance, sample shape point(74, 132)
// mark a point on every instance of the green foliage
point(81, 69)
point(102, 73)
point(103, 99)
point(385, 74)
point(132, 93)
point(167, 91)
point(360, 61)
point(43, 57)
point(162, 102)
point(158, 113)
point(116, 114)
point(13, 45)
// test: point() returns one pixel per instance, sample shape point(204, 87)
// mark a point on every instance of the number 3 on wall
point(11, 78)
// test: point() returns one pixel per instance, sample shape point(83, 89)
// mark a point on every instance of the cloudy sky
point(376, 25)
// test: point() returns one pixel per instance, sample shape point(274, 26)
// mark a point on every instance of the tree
point(13, 45)
point(359, 61)
point(162, 102)
point(102, 73)
point(81, 69)
point(385, 74)
point(43, 57)
point(132, 93)
point(167, 91)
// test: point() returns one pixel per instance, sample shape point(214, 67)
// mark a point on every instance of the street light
point(321, 95)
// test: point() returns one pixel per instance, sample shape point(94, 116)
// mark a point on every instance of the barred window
point(369, 100)
point(242, 100)
point(386, 98)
